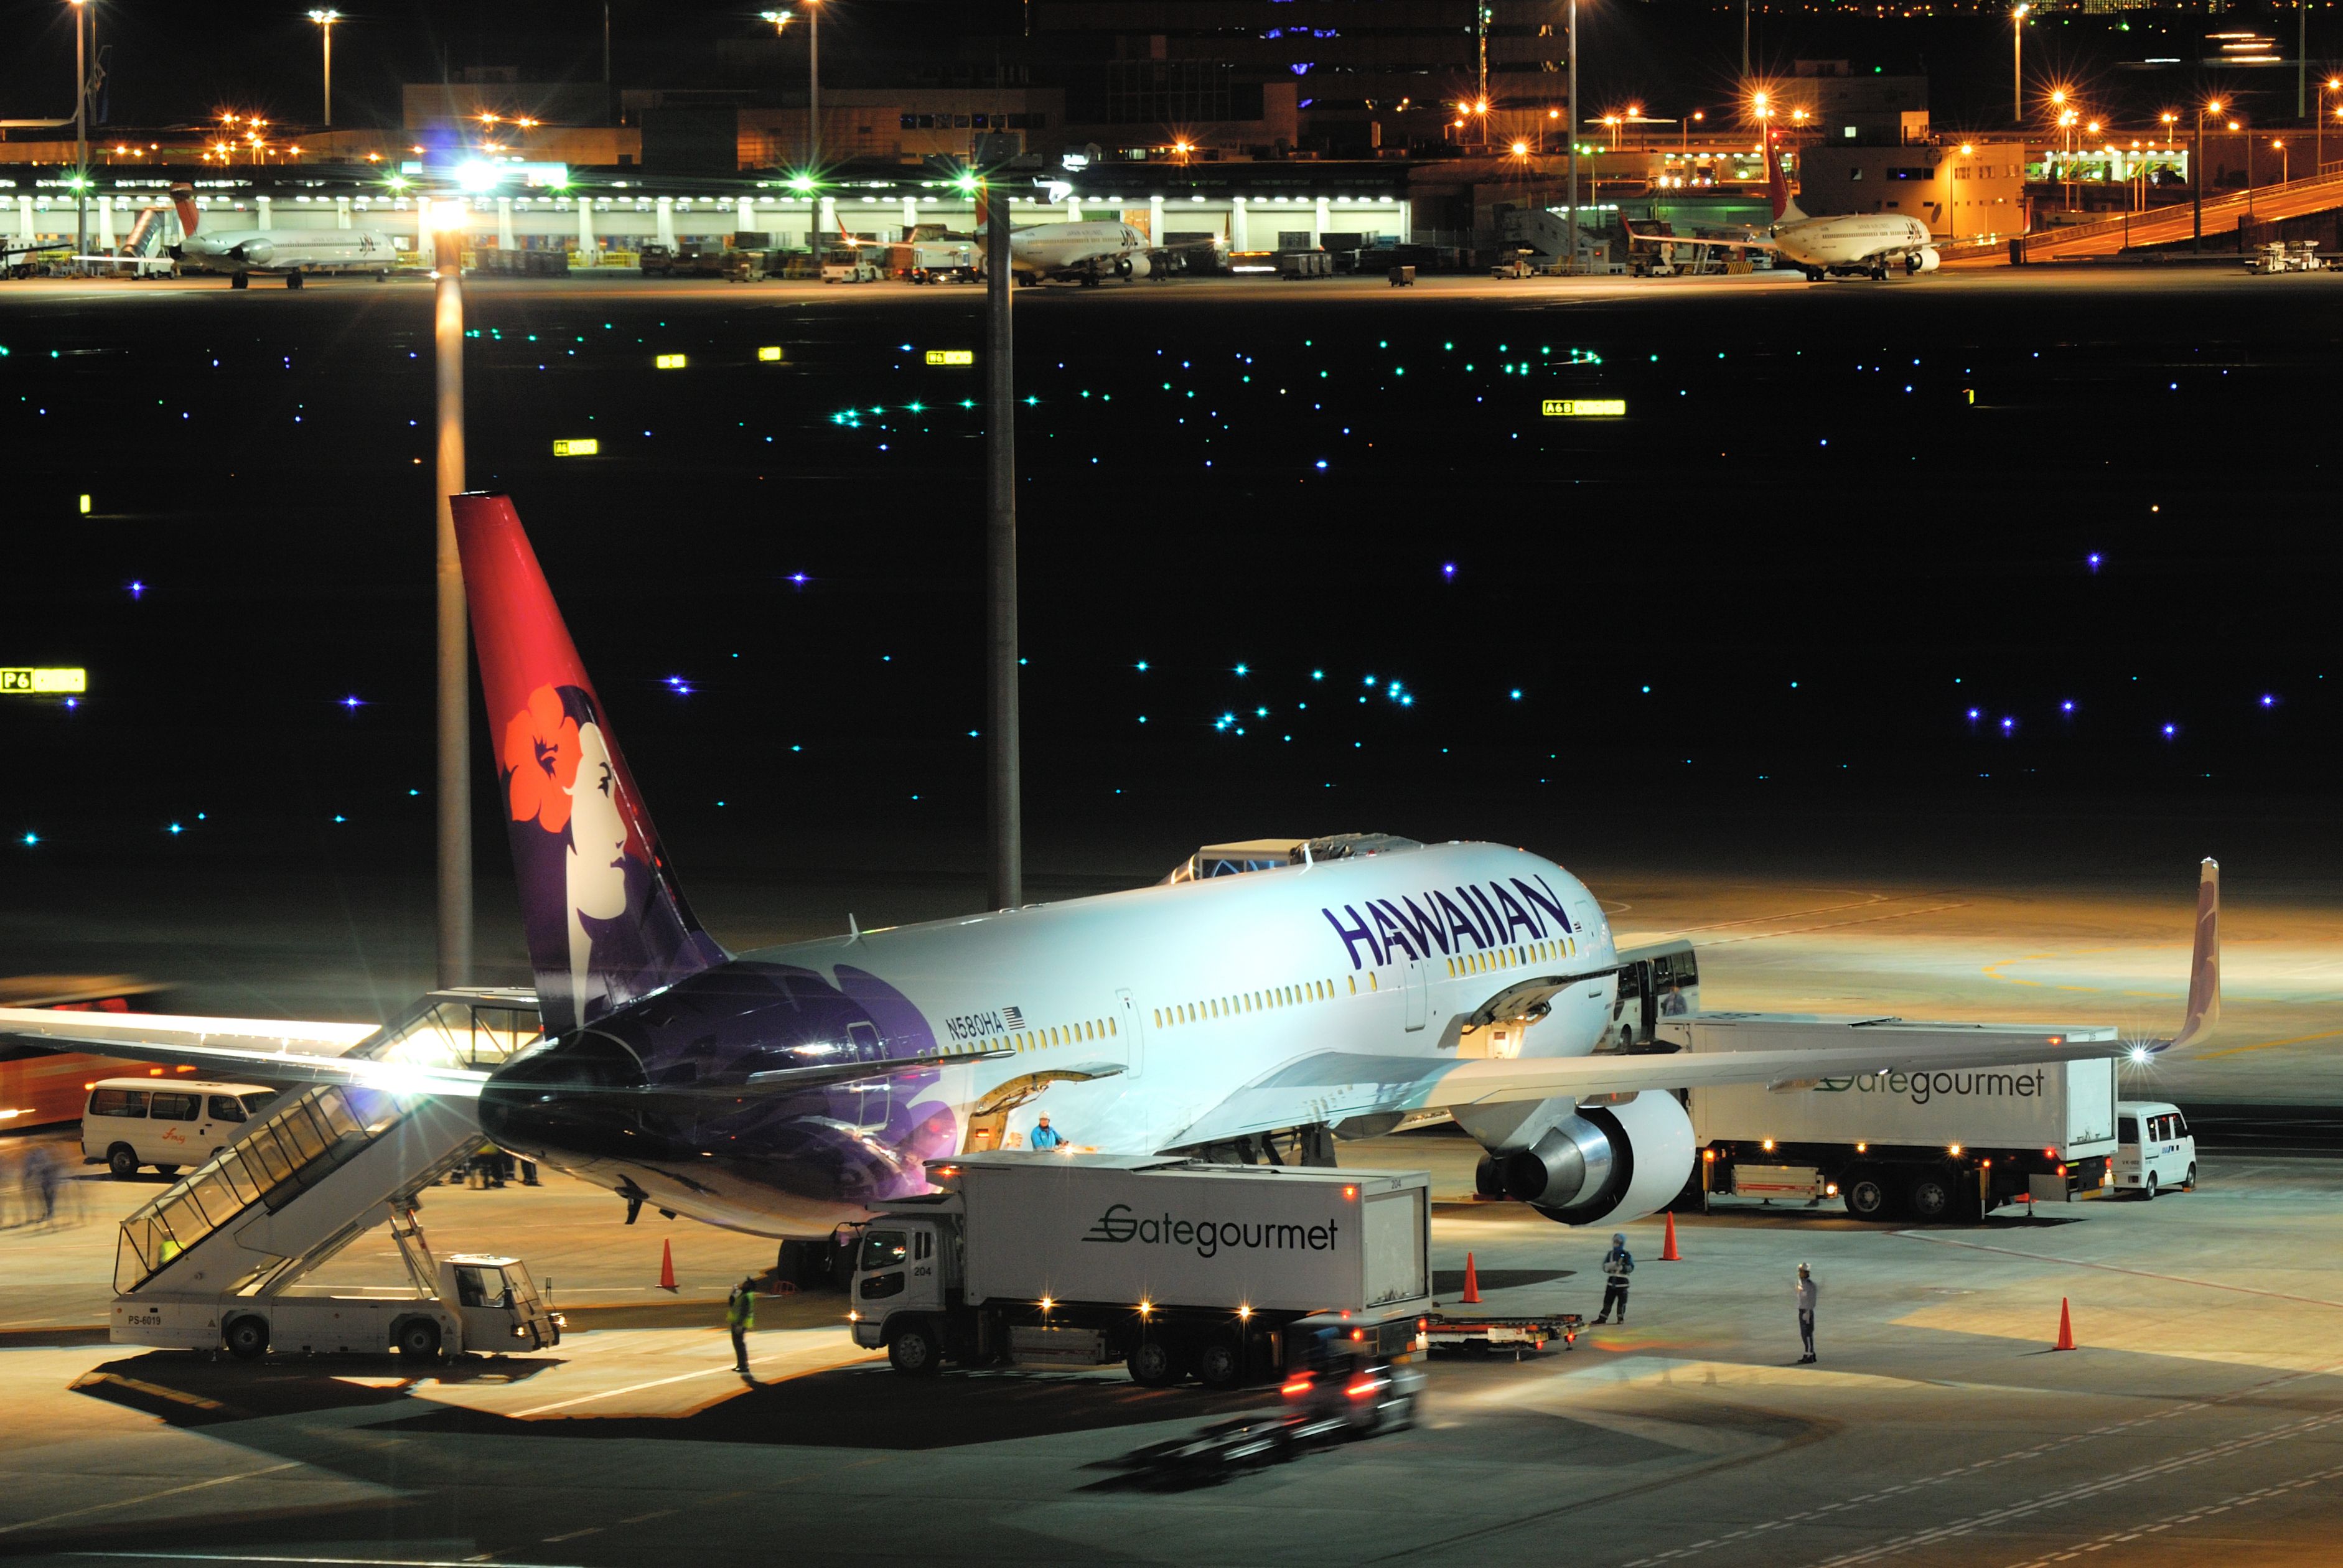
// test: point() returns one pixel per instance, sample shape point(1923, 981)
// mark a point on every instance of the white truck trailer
point(1172, 1265)
point(1924, 1145)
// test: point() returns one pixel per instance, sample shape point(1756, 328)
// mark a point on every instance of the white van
point(164, 1122)
point(2155, 1150)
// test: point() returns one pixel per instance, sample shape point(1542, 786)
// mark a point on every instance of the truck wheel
point(1866, 1195)
point(2188, 1182)
point(2147, 1190)
point(1219, 1365)
point(1930, 1196)
point(1152, 1364)
point(122, 1161)
point(418, 1340)
point(913, 1351)
point(248, 1338)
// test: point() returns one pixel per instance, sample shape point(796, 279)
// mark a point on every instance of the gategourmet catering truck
point(1924, 1145)
point(1176, 1267)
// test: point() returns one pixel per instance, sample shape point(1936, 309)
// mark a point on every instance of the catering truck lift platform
point(1173, 1266)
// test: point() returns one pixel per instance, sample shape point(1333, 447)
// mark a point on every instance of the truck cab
point(908, 1268)
point(496, 1304)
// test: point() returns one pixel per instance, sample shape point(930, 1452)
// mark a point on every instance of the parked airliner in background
point(1857, 245)
point(1345, 986)
point(242, 253)
point(1084, 253)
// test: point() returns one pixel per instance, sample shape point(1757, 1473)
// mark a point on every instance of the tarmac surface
point(2200, 1419)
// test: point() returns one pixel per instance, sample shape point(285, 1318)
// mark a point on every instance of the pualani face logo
point(1119, 1226)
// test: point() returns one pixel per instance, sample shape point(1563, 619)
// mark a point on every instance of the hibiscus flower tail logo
point(541, 759)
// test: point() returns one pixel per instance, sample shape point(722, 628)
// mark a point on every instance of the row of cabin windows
point(1040, 1039)
point(1509, 957)
point(1246, 1001)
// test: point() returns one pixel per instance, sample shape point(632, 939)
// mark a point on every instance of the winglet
point(2205, 959)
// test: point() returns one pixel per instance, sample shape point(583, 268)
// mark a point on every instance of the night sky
point(179, 63)
point(1292, 562)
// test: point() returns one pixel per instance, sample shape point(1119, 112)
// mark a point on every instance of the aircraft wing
point(1637, 237)
point(271, 1050)
point(1337, 1085)
point(1333, 1086)
point(277, 1052)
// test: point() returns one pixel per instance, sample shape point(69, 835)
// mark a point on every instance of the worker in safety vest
point(740, 1315)
point(1618, 1263)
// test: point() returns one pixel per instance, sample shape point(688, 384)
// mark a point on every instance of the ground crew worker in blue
point(1046, 1136)
point(1806, 1312)
point(740, 1315)
point(1617, 1264)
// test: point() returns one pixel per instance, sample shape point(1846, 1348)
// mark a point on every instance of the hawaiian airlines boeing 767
point(781, 1090)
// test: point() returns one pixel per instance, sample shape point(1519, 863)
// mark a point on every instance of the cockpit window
point(884, 1249)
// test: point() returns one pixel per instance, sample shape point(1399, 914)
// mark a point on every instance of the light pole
point(2284, 162)
point(2018, 63)
point(2197, 176)
point(1683, 143)
point(1571, 43)
point(81, 134)
point(813, 87)
point(1745, 40)
point(325, 21)
point(1006, 795)
point(2066, 119)
point(454, 714)
point(2318, 150)
point(781, 21)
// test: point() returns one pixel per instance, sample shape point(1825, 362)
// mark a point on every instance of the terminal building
point(1132, 110)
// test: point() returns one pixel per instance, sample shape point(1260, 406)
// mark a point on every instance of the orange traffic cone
point(2066, 1328)
point(1472, 1295)
point(1668, 1253)
point(667, 1266)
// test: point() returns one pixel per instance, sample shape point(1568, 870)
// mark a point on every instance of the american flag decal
point(1014, 1017)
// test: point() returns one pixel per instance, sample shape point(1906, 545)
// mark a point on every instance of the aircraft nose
point(565, 1097)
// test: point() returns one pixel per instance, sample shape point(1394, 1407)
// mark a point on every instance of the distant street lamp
point(1684, 140)
point(1611, 123)
point(2283, 163)
point(2018, 63)
point(2318, 161)
point(325, 21)
point(781, 21)
point(2197, 174)
point(2066, 157)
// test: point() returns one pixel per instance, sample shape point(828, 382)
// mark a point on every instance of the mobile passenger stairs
point(214, 1261)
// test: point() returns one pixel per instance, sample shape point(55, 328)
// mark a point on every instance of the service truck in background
point(1938, 1145)
point(1173, 1266)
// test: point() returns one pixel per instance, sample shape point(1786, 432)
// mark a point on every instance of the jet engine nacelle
point(255, 252)
point(1605, 1164)
point(1925, 259)
point(1135, 265)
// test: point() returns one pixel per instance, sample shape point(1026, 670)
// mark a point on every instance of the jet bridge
point(321, 1169)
